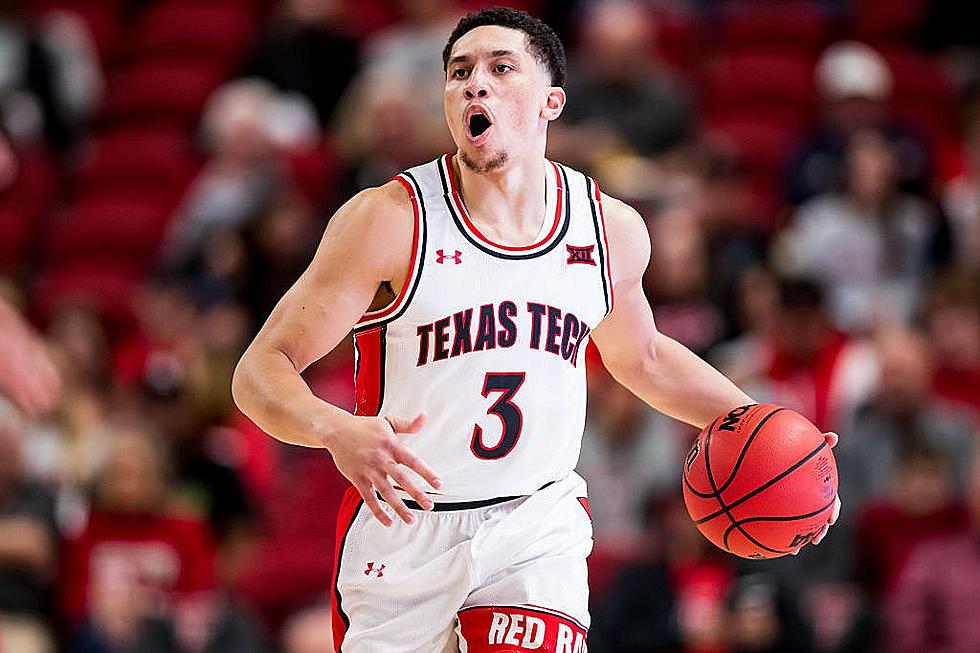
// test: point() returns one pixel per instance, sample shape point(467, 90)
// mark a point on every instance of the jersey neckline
point(461, 217)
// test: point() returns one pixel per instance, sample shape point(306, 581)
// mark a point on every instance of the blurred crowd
point(810, 174)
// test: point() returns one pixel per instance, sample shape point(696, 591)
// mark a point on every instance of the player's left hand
point(831, 439)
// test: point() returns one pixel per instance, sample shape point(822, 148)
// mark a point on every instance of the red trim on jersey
point(349, 505)
point(605, 240)
point(367, 381)
point(494, 629)
point(461, 208)
point(413, 265)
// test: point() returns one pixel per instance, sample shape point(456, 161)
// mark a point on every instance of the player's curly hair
point(542, 42)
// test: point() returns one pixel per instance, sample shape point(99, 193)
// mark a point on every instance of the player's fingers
point(822, 533)
point(831, 438)
point(366, 491)
point(416, 464)
point(406, 483)
point(383, 485)
point(405, 425)
point(835, 513)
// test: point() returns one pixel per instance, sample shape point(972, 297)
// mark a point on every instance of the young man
point(473, 284)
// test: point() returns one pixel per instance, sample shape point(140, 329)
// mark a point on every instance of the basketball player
point(473, 284)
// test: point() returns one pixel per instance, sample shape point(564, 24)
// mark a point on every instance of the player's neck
point(509, 203)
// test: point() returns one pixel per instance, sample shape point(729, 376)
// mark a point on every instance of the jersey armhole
point(602, 243)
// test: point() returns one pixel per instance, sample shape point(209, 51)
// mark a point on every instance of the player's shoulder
point(387, 205)
point(625, 227)
point(374, 227)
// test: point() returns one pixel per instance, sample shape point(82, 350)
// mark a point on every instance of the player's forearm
point(270, 391)
point(675, 381)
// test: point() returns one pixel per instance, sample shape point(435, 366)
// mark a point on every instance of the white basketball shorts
point(468, 577)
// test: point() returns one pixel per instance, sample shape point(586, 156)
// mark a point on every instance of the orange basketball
point(760, 481)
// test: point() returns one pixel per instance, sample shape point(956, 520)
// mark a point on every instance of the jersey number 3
point(511, 418)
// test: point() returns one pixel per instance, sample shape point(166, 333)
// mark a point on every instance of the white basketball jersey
point(489, 340)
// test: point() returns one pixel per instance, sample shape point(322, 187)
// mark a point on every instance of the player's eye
point(459, 73)
point(502, 68)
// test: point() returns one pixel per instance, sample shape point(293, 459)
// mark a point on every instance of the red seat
point(147, 155)
point(882, 22)
point(119, 226)
point(105, 287)
point(776, 87)
point(23, 204)
point(677, 41)
point(221, 30)
point(170, 89)
point(922, 94)
point(795, 27)
point(16, 231)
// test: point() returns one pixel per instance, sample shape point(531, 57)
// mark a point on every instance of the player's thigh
point(539, 600)
point(396, 589)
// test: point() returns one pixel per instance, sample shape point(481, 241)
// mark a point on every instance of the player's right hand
point(371, 457)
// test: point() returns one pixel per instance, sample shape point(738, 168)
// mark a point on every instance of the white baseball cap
point(853, 69)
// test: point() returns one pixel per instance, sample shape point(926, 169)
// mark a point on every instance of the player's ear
point(554, 103)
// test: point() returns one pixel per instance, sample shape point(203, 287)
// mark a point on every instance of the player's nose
point(476, 86)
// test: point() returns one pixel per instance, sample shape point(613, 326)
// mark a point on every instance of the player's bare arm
point(658, 369)
point(362, 259)
point(654, 367)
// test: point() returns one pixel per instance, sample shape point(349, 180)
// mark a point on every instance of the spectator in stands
point(628, 452)
point(902, 414)
point(27, 374)
point(677, 286)
point(757, 309)
point(812, 367)
point(627, 107)
point(50, 80)
point(28, 546)
point(764, 618)
point(855, 85)
point(920, 505)
point(620, 86)
point(868, 245)
point(673, 599)
point(65, 451)
point(934, 606)
point(952, 313)
point(304, 49)
point(247, 127)
point(131, 542)
point(392, 115)
point(280, 243)
point(961, 201)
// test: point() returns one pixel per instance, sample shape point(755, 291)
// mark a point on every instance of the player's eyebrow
point(464, 58)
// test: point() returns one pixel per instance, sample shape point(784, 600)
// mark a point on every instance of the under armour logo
point(379, 572)
point(456, 258)
point(580, 254)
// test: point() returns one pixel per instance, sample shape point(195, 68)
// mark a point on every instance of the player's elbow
point(637, 363)
point(242, 383)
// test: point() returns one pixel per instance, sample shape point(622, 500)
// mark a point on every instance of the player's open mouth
point(478, 127)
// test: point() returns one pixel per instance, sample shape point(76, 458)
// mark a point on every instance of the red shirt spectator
point(169, 557)
point(131, 541)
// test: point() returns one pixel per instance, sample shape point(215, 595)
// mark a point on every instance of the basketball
point(760, 481)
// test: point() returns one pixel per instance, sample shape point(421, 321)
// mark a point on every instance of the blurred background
point(810, 175)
